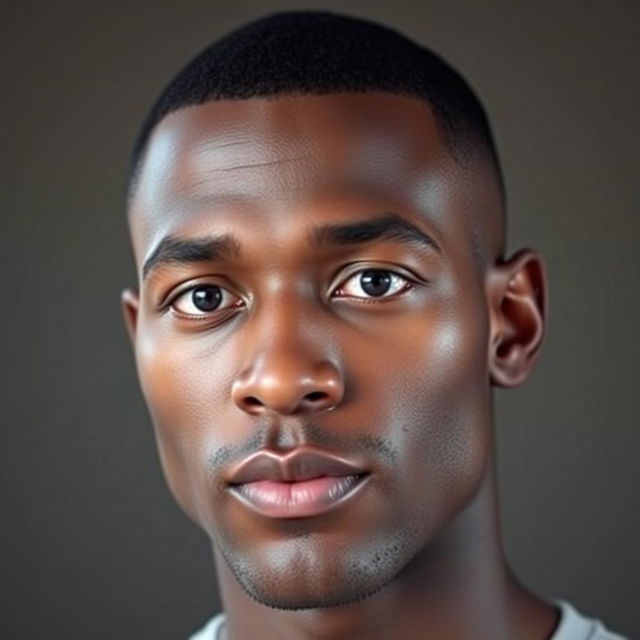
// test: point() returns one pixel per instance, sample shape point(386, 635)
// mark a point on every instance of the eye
point(204, 299)
point(373, 283)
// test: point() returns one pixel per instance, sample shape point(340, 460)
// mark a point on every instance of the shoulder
point(210, 630)
point(574, 626)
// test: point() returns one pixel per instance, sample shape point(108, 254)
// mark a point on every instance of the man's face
point(311, 283)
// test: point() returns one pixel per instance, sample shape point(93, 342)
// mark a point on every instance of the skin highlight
point(279, 209)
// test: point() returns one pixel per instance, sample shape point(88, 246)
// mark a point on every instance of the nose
point(288, 379)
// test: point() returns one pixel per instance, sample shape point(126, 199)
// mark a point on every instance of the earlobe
point(130, 301)
point(518, 298)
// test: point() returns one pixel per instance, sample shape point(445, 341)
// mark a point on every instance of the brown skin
point(299, 353)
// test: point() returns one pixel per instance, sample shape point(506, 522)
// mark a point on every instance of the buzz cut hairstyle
point(320, 53)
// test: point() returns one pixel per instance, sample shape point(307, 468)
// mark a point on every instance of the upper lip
point(303, 463)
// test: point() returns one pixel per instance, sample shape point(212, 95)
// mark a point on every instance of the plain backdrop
point(92, 544)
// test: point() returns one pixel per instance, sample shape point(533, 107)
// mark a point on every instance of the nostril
point(252, 402)
point(316, 396)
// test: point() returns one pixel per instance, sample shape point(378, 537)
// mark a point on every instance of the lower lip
point(298, 499)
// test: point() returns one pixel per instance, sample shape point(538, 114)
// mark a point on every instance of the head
point(317, 215)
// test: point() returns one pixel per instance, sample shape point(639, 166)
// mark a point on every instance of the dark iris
point(375, 283)
point(207, 298)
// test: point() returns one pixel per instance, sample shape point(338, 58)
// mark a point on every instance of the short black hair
point(317, 52)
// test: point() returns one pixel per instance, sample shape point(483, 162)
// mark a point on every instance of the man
point(324, 306)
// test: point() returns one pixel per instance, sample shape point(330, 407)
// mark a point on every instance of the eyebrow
point(177, 250)
point(385, 226)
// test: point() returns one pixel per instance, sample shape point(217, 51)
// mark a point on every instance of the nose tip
point(269, 388)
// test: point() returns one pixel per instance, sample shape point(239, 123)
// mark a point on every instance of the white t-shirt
point(573, 626)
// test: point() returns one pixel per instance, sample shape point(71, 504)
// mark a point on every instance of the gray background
point(92, 544)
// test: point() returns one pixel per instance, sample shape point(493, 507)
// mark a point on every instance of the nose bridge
point(289, 364)
point(285, 316)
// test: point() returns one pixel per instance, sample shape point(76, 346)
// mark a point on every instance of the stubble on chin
point(296, 575)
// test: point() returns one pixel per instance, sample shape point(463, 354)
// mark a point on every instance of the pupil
point(206, 298)
point(375, 283)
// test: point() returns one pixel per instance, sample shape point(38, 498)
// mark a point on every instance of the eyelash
point(407, 284)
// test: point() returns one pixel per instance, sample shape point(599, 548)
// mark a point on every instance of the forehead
point(281, 160)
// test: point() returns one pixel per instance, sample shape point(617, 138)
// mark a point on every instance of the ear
point(130, 302)
point(518, 299)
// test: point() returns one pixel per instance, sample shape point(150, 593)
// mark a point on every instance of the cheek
point(450, 445)
point(436, 358)
point(182, 384)
point(435, 403)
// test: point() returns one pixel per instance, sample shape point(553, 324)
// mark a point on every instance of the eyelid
point(213, 317)
point(358, 267)
point(181, 289)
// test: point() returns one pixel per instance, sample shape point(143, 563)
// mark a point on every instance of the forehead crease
point(218, 152)
point(248, 169)
point(210, 179)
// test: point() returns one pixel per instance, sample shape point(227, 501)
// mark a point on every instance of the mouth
point(303, 483)
point(298, 499)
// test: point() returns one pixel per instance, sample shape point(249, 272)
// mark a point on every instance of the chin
point(286, 601)
point(298, 575)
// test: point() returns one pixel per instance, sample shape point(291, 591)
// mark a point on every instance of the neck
point(459, 587)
